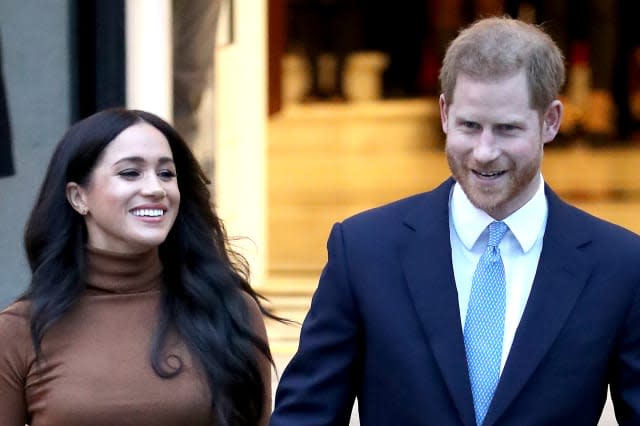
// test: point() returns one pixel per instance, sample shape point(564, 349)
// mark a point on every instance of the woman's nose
point(159, 193)
point(153, 188)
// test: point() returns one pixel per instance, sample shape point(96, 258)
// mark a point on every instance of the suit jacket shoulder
point(412, 211)
point(589, 232)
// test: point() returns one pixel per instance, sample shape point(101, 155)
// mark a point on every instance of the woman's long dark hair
point(204, 279)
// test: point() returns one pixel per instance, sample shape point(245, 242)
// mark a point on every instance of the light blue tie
point(484, 325)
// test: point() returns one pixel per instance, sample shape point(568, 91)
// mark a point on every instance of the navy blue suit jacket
point(384, 326)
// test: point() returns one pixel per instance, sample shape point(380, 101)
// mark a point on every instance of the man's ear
point(443, 113)
point(75, 197)
point(551, 120)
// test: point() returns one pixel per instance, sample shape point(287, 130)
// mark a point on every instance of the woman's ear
point(75, 197)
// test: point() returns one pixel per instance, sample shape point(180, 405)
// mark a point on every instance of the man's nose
point(486, 148)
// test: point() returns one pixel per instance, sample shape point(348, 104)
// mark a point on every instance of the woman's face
point(132, 198)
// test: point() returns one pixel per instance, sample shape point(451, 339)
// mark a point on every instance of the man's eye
point(507, 128)
point(470, 125)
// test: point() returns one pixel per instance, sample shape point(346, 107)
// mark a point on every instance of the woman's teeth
point(148, 212)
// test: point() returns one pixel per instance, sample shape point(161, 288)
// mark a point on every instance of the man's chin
point(488, 202)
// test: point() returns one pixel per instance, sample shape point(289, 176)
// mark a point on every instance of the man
point(429, 318)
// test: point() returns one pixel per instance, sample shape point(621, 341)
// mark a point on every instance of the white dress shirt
point(520, 250)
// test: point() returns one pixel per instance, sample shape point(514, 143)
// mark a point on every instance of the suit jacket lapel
point(429, 274)
point(562, 273)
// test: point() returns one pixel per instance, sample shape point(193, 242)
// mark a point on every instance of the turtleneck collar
point(123, 273)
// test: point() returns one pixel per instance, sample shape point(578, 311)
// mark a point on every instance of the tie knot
point(496, 233)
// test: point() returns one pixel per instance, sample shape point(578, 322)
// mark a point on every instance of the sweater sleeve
point(14, 346)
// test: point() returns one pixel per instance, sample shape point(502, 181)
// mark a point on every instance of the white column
point(240, 91)
point(148, 57)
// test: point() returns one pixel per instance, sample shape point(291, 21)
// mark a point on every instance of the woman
point(137, 312)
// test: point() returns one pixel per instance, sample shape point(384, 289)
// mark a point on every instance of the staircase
point(287, 297)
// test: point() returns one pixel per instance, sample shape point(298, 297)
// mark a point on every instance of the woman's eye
point(129, 173)
point(167, 174)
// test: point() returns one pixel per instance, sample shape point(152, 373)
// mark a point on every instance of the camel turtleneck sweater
point(95, 367)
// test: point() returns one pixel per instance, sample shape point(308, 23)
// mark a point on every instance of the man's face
point(494, 141)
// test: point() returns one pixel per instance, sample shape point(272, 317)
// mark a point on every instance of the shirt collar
point(525, 224)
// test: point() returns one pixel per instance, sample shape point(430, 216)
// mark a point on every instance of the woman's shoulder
point(17, 311)
point(256, 321)
point(253, 310)
point(14, 321)
point(16, 349)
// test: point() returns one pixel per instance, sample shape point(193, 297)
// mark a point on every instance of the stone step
point(288, 296)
